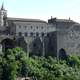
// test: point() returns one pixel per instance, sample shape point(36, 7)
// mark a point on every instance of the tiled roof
point(26, 20)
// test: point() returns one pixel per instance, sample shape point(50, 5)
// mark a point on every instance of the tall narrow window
point(42, 34)
point(37, 34)
point(42, 27)
point(20, 33)
point(48, 35)
point(26, 34)
point(31, 34)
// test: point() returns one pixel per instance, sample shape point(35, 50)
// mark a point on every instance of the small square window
point(25, 27)
point(19, 26)
point(31, 27)
point(42, 27)
point(37, 27)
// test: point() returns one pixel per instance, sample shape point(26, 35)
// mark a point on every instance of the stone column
point(0, 48)
point(43, 46)
point(28, 50)
point(28, 41)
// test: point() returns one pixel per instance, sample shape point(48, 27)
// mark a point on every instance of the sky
point(43, 9)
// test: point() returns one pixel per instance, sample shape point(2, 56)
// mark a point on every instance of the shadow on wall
point(22, 43)
point(36, 47)
point(7, 44)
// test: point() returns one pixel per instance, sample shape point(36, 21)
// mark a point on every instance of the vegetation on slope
point(15, 63)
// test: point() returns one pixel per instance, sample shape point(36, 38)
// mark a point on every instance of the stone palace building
point(38, 37)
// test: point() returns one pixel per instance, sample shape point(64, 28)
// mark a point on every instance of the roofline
point(25, 20)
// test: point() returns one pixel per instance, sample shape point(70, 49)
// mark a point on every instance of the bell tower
point(3, 16)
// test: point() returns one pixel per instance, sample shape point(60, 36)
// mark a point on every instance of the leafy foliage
point(15, 63)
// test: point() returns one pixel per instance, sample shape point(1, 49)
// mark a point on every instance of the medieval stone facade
point(39, 37)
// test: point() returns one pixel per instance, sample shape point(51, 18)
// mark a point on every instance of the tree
point(15, 63)
point(1, 69)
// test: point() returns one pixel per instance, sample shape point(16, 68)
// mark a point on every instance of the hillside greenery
point(15, 63)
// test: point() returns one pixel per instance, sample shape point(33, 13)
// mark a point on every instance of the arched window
point(25, 27)
point(20, 33)
point(26, 34)
point(37, 34)
point(62, 54)
point(31, 34)
point(42, 27)
point(31, 27)
point(19, 26)
point(42, 34)
point(48, 35)
point(37, 27)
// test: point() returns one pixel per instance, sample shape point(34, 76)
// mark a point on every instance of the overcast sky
point(43, 9)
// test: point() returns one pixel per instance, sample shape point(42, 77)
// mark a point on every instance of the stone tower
point(3, 17)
